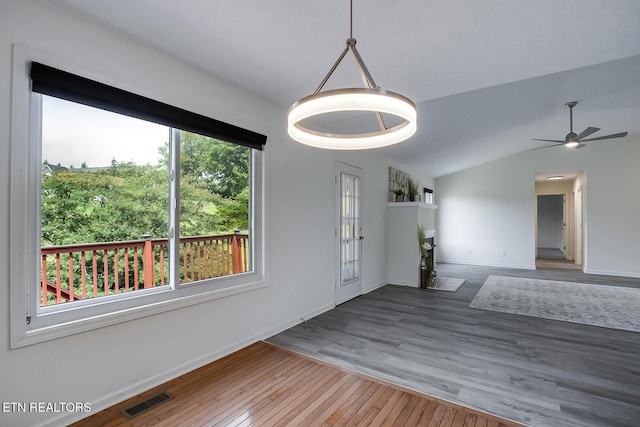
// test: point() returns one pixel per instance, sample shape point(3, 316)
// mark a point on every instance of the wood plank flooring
point(556, 264)
point(264, 385)
point(536, 371)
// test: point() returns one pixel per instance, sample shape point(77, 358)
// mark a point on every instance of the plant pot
point(424, 277)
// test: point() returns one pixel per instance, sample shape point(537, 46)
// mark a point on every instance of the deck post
point(147, 261)
point(236, 260)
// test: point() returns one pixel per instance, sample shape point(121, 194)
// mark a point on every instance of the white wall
point(489, 209)
point(109, 364)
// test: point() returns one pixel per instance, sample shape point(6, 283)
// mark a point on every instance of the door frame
point(579, 224)
point(574, 217)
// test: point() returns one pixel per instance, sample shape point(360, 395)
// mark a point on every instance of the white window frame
point(31, 323)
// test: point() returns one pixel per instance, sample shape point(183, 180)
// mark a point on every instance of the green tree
point(234, 214)
point(119, 203)
point(223, 167)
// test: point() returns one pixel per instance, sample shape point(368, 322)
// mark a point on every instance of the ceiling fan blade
point(548, 140)
point(615, 135)
point(588, 131)
point(547, 146)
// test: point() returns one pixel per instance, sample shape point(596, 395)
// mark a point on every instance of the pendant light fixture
point(369, 98)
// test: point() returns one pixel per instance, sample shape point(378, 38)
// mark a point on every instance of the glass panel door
point(349, 224)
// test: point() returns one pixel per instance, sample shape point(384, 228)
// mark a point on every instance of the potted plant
point(413, 189)
point(399, 192)
point(426, 267)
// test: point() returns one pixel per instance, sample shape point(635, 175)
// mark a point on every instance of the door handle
point(361, 237)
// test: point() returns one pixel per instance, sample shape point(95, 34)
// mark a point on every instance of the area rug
point(447, 284)
point(598, 305)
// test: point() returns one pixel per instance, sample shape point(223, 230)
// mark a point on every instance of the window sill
point(153, 304)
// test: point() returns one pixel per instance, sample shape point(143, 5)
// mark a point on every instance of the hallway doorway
point(559, 229)
point(551, 226)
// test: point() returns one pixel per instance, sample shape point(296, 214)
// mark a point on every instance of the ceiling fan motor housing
point(571, 137)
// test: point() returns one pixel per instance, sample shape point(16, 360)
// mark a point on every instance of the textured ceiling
point(488, 76)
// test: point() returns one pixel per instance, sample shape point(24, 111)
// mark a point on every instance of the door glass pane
point(350, 227)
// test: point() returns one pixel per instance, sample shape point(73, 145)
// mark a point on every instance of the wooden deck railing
point(77, 272)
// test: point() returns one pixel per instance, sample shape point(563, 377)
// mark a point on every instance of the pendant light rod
point(571, 105)
point(364, 71)
point(571, 119)
point(365, 75)
point(367, 79)
point(330, 73)
point(350, 19)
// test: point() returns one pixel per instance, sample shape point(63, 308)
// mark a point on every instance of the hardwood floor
point(556, 264)
point(264, 385)
point(536, 371)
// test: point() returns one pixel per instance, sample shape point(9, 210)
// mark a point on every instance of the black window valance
point(61, 84)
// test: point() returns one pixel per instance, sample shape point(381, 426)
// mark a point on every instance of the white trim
point(403, 282)
point(19, 271)
point(313, 313)
point(487, 264)
point(613, 273)
point(374, 286)
point(89, 322)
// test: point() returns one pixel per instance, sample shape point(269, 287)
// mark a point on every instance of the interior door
point(349, 232)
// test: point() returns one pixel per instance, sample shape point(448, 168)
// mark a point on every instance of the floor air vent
point(148, 404)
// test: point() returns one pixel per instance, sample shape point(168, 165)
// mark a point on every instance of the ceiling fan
point(573, 140)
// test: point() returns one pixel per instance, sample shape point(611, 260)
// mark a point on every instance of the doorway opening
point(552, 226)
point(559, 220)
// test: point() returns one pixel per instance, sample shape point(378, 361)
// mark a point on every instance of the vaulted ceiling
point(487, 76)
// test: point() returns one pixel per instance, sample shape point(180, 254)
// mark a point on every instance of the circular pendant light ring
point(352, 99)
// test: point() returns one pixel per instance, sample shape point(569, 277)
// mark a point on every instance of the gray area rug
point(598, 305)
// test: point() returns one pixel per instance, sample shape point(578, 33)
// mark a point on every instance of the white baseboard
point(403, 282)
point(132, 390)
point(613, 273)
point(308, 316)
point(487, 264)
point(374, 286)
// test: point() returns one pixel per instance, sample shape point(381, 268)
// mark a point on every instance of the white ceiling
point(487, 76)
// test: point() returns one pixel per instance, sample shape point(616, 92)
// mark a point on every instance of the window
point(139, 207)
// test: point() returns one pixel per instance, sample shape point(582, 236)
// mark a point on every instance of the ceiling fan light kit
point(370, 98)
point(572, 144)
point(573, 140)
